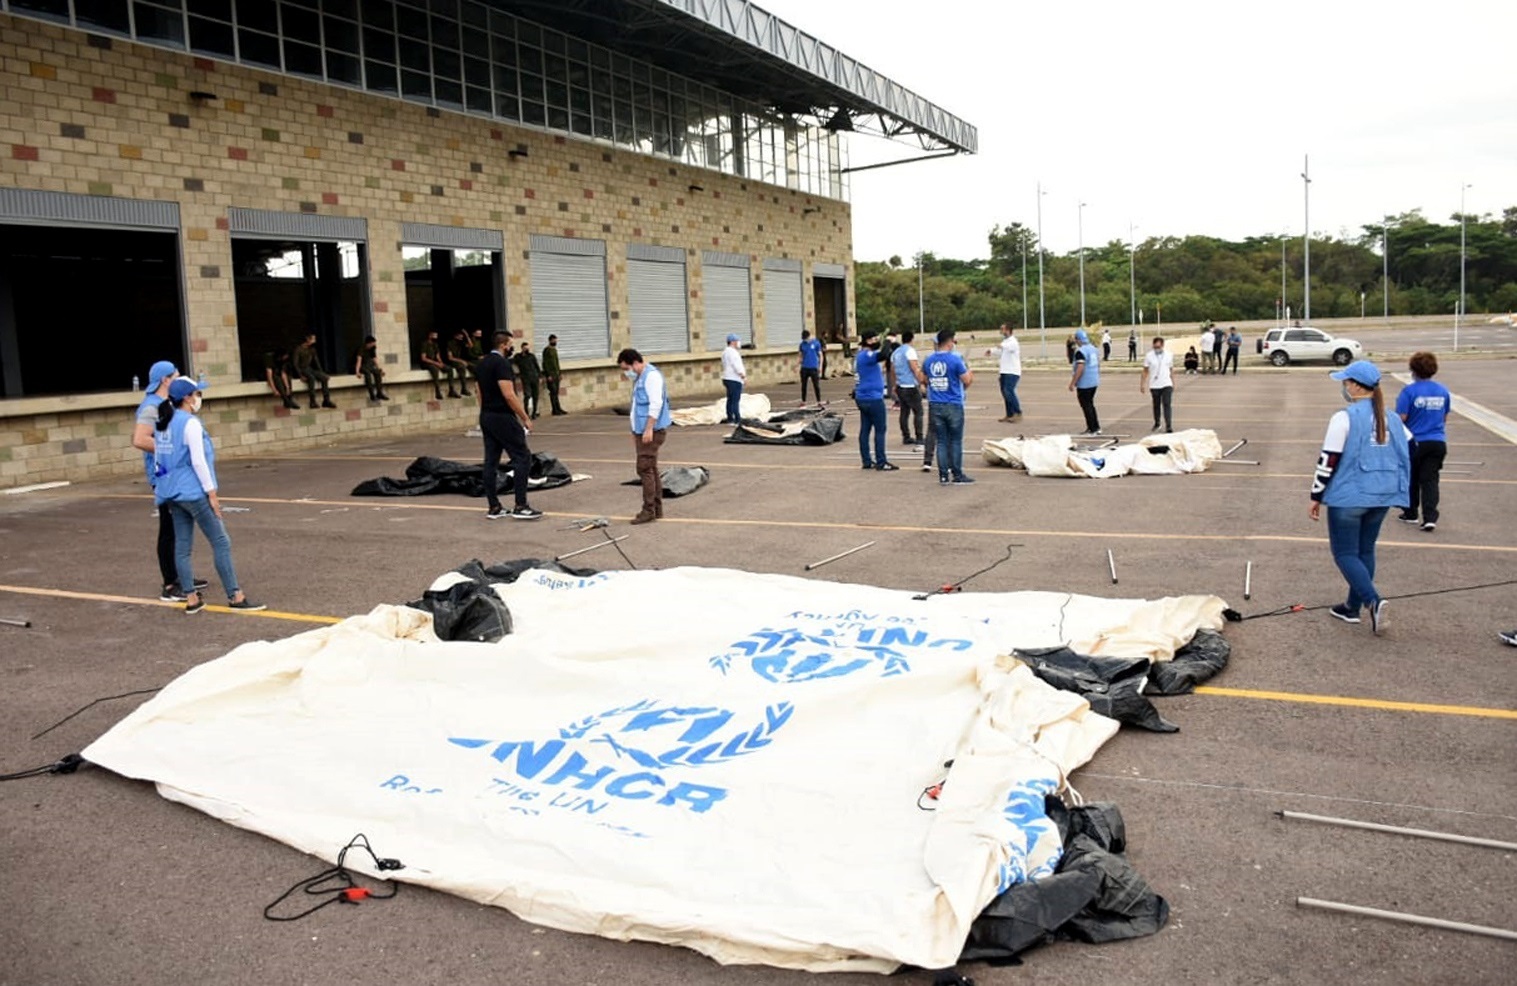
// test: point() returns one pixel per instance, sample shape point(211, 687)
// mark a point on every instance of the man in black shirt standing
point(503, 421)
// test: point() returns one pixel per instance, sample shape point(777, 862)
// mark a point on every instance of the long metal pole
point(1458, 314)
point(1385, 267)
point(1024, 283)
point(1353, 823)
point(1282, 282)
point(1081, 224)
point(921, 305)
point(1375, 912)
point(1132, 277)
point(1042, 315)
point(1306, 239)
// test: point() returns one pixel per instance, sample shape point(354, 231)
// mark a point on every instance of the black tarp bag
point(470, 610)
point(1203, 657)
point(1112, 685)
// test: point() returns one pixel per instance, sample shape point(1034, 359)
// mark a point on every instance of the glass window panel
point(378, 45)
point(531, 87)
point(302, 59)
point(341, 35)
point(449, 93)
point(476, 42)
point(380, 77)
point(341, 8)
point(477, 99)
point(557, 94)
point(57, 9)
point(621, 88)
point(444, 32)
point(344, 68)
point(601, 122)
point(503, 25)
point(553, 42)
point(576, 49)
point(415, 55)
point(505, 80)
point(446, 63)
point(416, 85)
point(558, 119)
point(259, 49)
point(579, 74)
point(530, 58)
point(621, 65)
point(447, 8)
point(212, 37)
point(600, 58)
point(411, 23)
point(579, 100)
point(533, 113)
point(658, 79)
point(158, 24)
point(376, 13)
point(529, 34)
point(476, 71)
point(260, 15)
point(309, 4)
point(581, 123)
point(600, 82)
point(301, 25)
point(110, 15)
point(507, 107)
point(474, 15)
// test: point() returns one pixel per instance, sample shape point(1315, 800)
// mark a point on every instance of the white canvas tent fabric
point(725, 761)
point(748, 406)
point(1188, 451)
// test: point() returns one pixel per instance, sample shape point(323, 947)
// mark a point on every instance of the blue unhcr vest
point(176, 474)
point(1370, 475)
point(640, 404)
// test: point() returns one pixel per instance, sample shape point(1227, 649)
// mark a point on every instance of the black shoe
point(1430, 526)
point(313, 406)
point(1408, 518)
point(1343, 613)
point(246, 605)
point(190, 609)
point(437, 395)
point(495, 513)
point(1508, 636)
point(383, 396)
point(329, 404)
point(888, 467)
point(869, 465)
point(451, 393)
point(292, 405)
point(962, 480)
point(525, 512)
point(1377, 618)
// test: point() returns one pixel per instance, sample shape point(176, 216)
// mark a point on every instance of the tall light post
point(1283, 307)
point(1024, 281)
point(1460, 312)
point(1042, 315)
point(921, 305)
point(1306, 239)
point(1385, 268)
point(1132, 277)
point(1081, 227)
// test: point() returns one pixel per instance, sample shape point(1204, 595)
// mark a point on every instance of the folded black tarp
point(1094, 895)
point(790, 428)
point(469, 610)
point(432, 475)
point(679, 480)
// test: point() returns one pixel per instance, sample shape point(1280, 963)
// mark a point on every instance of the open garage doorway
point(287, 289)
point(829, 296)
point(452, 289)
point(86, 309)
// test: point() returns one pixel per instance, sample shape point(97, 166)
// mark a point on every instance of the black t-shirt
point(490, 371)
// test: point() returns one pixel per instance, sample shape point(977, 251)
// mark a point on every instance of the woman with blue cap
point(185, 466)
point(1365, 469)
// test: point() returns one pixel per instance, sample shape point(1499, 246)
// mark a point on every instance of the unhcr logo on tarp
point(835, 645)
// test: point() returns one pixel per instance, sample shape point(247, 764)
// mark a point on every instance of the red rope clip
point(353, 895)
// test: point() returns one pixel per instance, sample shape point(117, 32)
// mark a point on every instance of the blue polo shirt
point(1426, 405)
point(811, 354)
point(1091, 375)
point(943, 371)
point(871, 379)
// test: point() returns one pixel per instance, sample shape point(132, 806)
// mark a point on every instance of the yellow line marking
point(101, 597)
point(1359, 703)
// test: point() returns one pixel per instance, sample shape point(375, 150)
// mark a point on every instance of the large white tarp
point(748, 406)
point(1188, 451)
point(727, 761)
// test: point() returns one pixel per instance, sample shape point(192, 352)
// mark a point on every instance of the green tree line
point(1192, 278)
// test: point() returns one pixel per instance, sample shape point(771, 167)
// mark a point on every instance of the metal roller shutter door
point(784, 311)
point(729, 305)
point(569, 300)
point(656, 303)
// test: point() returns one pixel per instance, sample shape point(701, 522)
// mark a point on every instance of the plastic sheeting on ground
point(726, 761)
point(432, 475)
point(1188, 451)
point(748, 406)
point(796, 427)
point(679, 480)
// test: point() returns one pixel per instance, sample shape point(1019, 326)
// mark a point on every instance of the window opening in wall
point(65, 291)
point(288, 288)
point(448, 291)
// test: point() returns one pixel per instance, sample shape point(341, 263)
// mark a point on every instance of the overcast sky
point(1180, 117)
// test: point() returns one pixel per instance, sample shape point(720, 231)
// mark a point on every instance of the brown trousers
point(647, 471)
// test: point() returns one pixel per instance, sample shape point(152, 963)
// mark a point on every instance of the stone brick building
point(207, 181)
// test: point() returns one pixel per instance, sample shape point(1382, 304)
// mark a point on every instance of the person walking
point(1364, 469)
point(733, 378)
point(1105, 345)
point(530, 373)
point(811, 364)
point(1234, 344)
point(947, 376)
point(504, 426)
point(367, 367)
point(650, 419)
point(1132, 344)
point(1159, 380)
point(553, 374)
point(869, 395)
point(308, 368)
point(1424, 407)
point(1011, 372)
point(1085, 379)
point(908, 392)
point(185, 466)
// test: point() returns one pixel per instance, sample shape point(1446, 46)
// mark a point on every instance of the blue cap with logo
point(1361, 371)
point(733, 337)
point(182, 388)
point(1080, 336)
point(162, 368)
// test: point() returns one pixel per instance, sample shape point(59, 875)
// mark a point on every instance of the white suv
point(1302, 342)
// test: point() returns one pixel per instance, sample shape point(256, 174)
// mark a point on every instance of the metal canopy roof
point(742, 49)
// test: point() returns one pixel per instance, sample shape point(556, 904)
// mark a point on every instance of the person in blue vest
point(869, 395)
point(650, 419)
point(1085, 379)
point(159, 378)
point(1365, 469)
point(1424, 406)
point(811, 364)
point(947, 375)
point(185, 466)
point(908, 389)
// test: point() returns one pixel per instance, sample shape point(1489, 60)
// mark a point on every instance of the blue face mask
point(1346, 395)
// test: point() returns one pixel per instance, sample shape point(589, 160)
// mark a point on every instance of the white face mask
point(193, 403)
point(630, 374)
point(1346, 395)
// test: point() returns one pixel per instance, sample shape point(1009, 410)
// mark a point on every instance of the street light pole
point(1132, 277)
point(1306, 238)
point(1042, 316)
point(921, 305)
point(1385, 267)
point(1024, 282)
point(1282, 282)
point(1081, 227)
point(1460, 312)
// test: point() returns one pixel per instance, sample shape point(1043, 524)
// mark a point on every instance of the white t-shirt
point(1011, 356)
point(732, 364)
point(1206, 341)
point(1160, 367)
point(1105, 337)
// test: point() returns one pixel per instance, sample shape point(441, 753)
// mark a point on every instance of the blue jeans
point(948, 429)
point(1351, 532)
point(187, 514)
point(1009, 393)
point(872, 419)
point(734, 396)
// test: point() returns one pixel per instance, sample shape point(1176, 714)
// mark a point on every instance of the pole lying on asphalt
point(1352, 823)
point(1241, 443)
point(840, 554)
point(1111, 563)
point(592, 547)
point(23, 624)
point(1248, 580)
point(1375, 912)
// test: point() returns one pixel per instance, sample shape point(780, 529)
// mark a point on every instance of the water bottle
point(136, 383)
point(200, 380)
